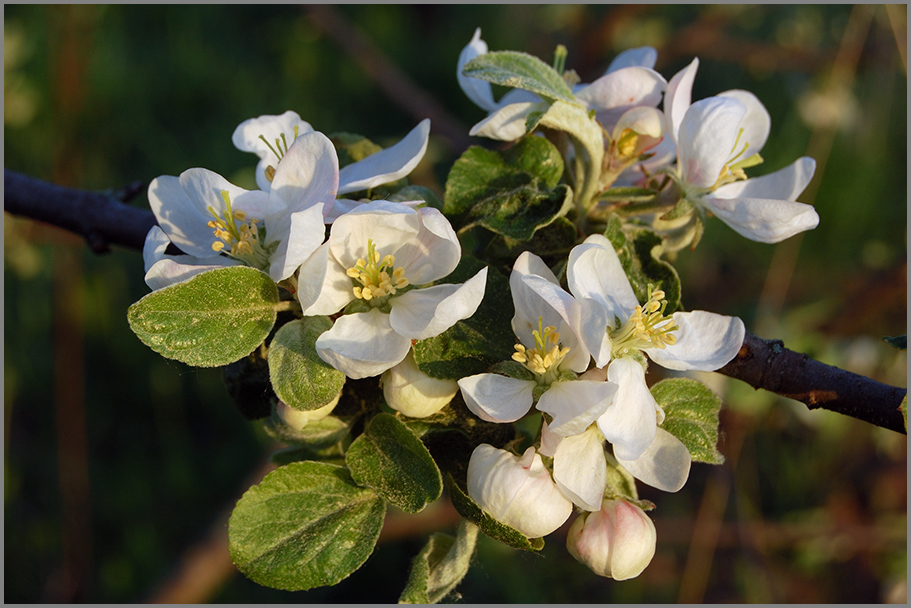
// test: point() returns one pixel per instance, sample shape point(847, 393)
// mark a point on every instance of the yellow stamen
point(374, 278)
point(240, 237)
point(541, 360)
point(647, 327)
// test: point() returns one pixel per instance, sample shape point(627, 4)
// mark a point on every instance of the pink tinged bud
point(517, 491)
point(413, 393)
point(617, 542)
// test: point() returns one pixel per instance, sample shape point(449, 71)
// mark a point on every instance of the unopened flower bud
point(412, 392)
point(298, 419)
point(517, 491)
point(617, 542)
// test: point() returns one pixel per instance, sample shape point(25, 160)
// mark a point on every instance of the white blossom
point(618, 541)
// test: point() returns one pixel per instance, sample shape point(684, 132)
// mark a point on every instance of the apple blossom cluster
point(511, 326)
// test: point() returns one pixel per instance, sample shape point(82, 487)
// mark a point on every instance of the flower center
point(544, 359)
point(626, 144)
point(733, 170)
point(647, 327)
point(279, 150)
point(237, 237)
point(377, 277)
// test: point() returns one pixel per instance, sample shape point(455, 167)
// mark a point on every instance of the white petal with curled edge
point(643, 56)
point(630, 422)
point(785, 184)
point(387, 165)
point(246, 136)
point(154, 246)
point(311, 277)
point(362, 344)
point(594, 271)
point(477, 90)
point(307, 175)
point(423, 313)
point(433, 253)
point(575, 405)
point(678, 96)
point(306, 232)
point(179, 268)
point(180, 218)
point(763, 220)
point(706, 138)
point(664, 465)
point(756, 123)
point(506, 123)
point(624, 88)
point(549, 441)
point(594, 330)
point(705, 342)
point(580, 469)
point(341, 207)
point(529, 263)
point(497, 398)
point(388, 225)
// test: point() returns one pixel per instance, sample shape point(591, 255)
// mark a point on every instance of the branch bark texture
point(768, 365)
point(104, 220)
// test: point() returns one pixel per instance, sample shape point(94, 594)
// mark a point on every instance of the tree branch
point(768, 365)
point(101, 218)
point(104, 220)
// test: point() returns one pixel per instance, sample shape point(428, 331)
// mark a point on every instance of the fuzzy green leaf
point(513, 193)
point(638, 250)
point(440, 566)
point(691, 415)
point(304, 525)
point(520, 71)
point(393, 462)
point(299, 376)
point(210, 320)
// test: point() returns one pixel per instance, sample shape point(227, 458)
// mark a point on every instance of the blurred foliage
point(809, 507)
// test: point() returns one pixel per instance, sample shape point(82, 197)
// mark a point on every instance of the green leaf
point(212, 319)
point(472, 345)
point(513, 193)
point(497, 530)
point(316, 434)
point(520, 71)
point(299, 376)
point(352, 147)
point(904, 410)
point(691, 415)
point(638, 250)
point(440, 566)
point(899, 342)
point(627, 194)
point(304, 525)
point(416, 193)
point(393, 462)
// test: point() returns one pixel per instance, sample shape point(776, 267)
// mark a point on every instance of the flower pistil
point(647, 327)
point(377, 277)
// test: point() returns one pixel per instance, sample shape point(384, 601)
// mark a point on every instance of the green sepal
point(472, 345)
point(497, 530)
point(683, 208)
point(520, 71)
point(440, 566)
point(317, 434)
point(512, 193)
point(305, 525)
point(212, 319)
point(639, 250)
point(899, 342)
point(392, 461)
point(627, 194)
point(691, 415)
point(300, 378)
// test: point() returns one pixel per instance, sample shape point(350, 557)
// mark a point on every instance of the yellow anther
point(541, 360)
point(237, 237)
point(374, 276)
point(647, 327)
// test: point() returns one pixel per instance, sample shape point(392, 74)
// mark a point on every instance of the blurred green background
point(120, 466)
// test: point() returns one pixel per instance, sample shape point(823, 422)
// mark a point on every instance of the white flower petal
point(362, 344)
point(705, 140)
point(678, 96)
point(179, 268)
point(386, 165)
point(154, 246)
point(341, 207)
point(246, 136)
point(506, 123)
point(433, 253)
point(387, 224)
point(182, 219)
point(580, 469)
point(412, 392)
point(619, 90)
point(330, 282)
point(763, 220)
point(305, 233)
point(477, 90)
point(497, 398)
point(549, 441)
point(644, 120)
point(756, 123)
point(423, 313)
point(664, 465)
point(630, 422)
point(705, 341)
point(307, 175)
point(594, 271)
point(529, 263)
point(643, 56)
point(593, 329)
point(575, 405)
point(785, 184)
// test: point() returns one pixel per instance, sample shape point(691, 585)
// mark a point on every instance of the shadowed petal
point(705, 341)
point(497, 398)
point(362, 344)
point(386, 165)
